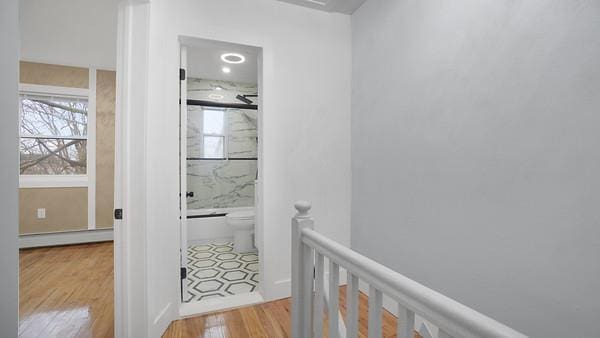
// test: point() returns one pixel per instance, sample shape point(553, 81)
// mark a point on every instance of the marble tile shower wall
point(222, 183)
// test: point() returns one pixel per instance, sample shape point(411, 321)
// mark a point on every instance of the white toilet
point(242, 223)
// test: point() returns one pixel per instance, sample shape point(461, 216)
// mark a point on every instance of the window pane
point(53, 116)
point(213, 146)
point(53, 156)
point(214, 121)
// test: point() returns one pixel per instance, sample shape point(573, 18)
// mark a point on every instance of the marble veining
point(222, 183)
point(201, 89)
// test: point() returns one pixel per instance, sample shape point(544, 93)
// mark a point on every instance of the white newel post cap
point(302, 207)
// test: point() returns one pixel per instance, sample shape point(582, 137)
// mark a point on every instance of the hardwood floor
point(66, 291)
point(264, 320)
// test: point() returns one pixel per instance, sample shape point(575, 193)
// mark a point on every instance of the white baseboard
point(64, 238)
point(163, 320)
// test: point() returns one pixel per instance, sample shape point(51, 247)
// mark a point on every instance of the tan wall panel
point(66, 209)
point(105, 147)
point(71, 203)
point(53, 75)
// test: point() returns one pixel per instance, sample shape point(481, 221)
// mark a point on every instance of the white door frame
point(130, 266)
point(183, 166)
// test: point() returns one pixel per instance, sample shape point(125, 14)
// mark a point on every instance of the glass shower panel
point(243, 136)
point(226, 181)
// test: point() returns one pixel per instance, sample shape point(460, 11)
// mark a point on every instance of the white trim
point(57, 137)
point(64, 238)
point(26, 88)
point(131, 285)
point(183, 221)
point(53, 181)
point(219, 304)
point(66, 181)
point(120, 305)
point(91, 150)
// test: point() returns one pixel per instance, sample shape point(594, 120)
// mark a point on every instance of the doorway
point(67, 115)
point(219, 172)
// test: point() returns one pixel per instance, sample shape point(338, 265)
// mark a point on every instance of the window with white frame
point(213, 133)
point(54, 132)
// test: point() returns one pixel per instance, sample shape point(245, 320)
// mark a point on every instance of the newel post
point(302, 259)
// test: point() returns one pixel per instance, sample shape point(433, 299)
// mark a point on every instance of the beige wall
point(53, 75)
point(105, 147)
point(66, 208)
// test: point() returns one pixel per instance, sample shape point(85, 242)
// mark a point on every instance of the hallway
point(66, 291)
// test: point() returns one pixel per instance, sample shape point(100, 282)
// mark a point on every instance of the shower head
point(244, 99)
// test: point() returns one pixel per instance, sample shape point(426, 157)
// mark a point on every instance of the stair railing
point(312, 293)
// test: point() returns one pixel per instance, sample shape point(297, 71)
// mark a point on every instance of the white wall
point(9, 261)
point(69, 32)
point(305, 128)
point(475, 133)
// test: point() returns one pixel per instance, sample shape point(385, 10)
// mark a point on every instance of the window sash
point(30, 95)
point(223, 135)
point(54, 137)
point(28, 91)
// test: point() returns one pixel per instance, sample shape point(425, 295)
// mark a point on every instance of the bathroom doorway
point(219, 171)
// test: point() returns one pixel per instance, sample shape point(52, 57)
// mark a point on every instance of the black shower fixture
point(244, 99)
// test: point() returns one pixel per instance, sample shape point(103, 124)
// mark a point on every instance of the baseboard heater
point(65, 238)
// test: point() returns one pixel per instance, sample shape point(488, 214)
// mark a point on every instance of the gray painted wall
point(476, 154)
point(9, 264)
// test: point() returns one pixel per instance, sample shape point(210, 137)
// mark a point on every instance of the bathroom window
point(53, 132)
point(213, 133)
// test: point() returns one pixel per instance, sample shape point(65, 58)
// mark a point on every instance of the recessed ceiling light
point(219, 88)
point(233, 58)
point(226, 70)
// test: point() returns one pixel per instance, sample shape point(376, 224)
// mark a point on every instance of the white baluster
point(352, 306)
point(406, 323)
point(301, 279)
point(443, 334)
point(333, 308)
point(375, 304)
point(318, 313)
point(308, 292)
point(424, 331)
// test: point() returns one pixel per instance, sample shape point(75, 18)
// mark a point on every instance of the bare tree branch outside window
point(53, 135)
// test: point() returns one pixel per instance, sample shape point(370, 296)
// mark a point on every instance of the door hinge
point(183, 273)
point(118, 213)
point(181, 74)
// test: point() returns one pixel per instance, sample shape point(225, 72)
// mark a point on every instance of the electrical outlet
point(41, 213)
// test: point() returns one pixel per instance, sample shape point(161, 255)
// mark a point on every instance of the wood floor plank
point(270, 319)
point(66, 291)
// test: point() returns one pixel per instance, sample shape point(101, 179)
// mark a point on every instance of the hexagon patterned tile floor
point(215, 270)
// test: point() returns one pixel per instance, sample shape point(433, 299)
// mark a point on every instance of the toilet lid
point(247, 214)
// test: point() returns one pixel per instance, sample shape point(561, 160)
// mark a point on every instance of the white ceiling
point(340, 6)
point(204, 61)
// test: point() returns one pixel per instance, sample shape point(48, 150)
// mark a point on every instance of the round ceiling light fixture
point(215, 96)
point(233, 58)
point(226, 70)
